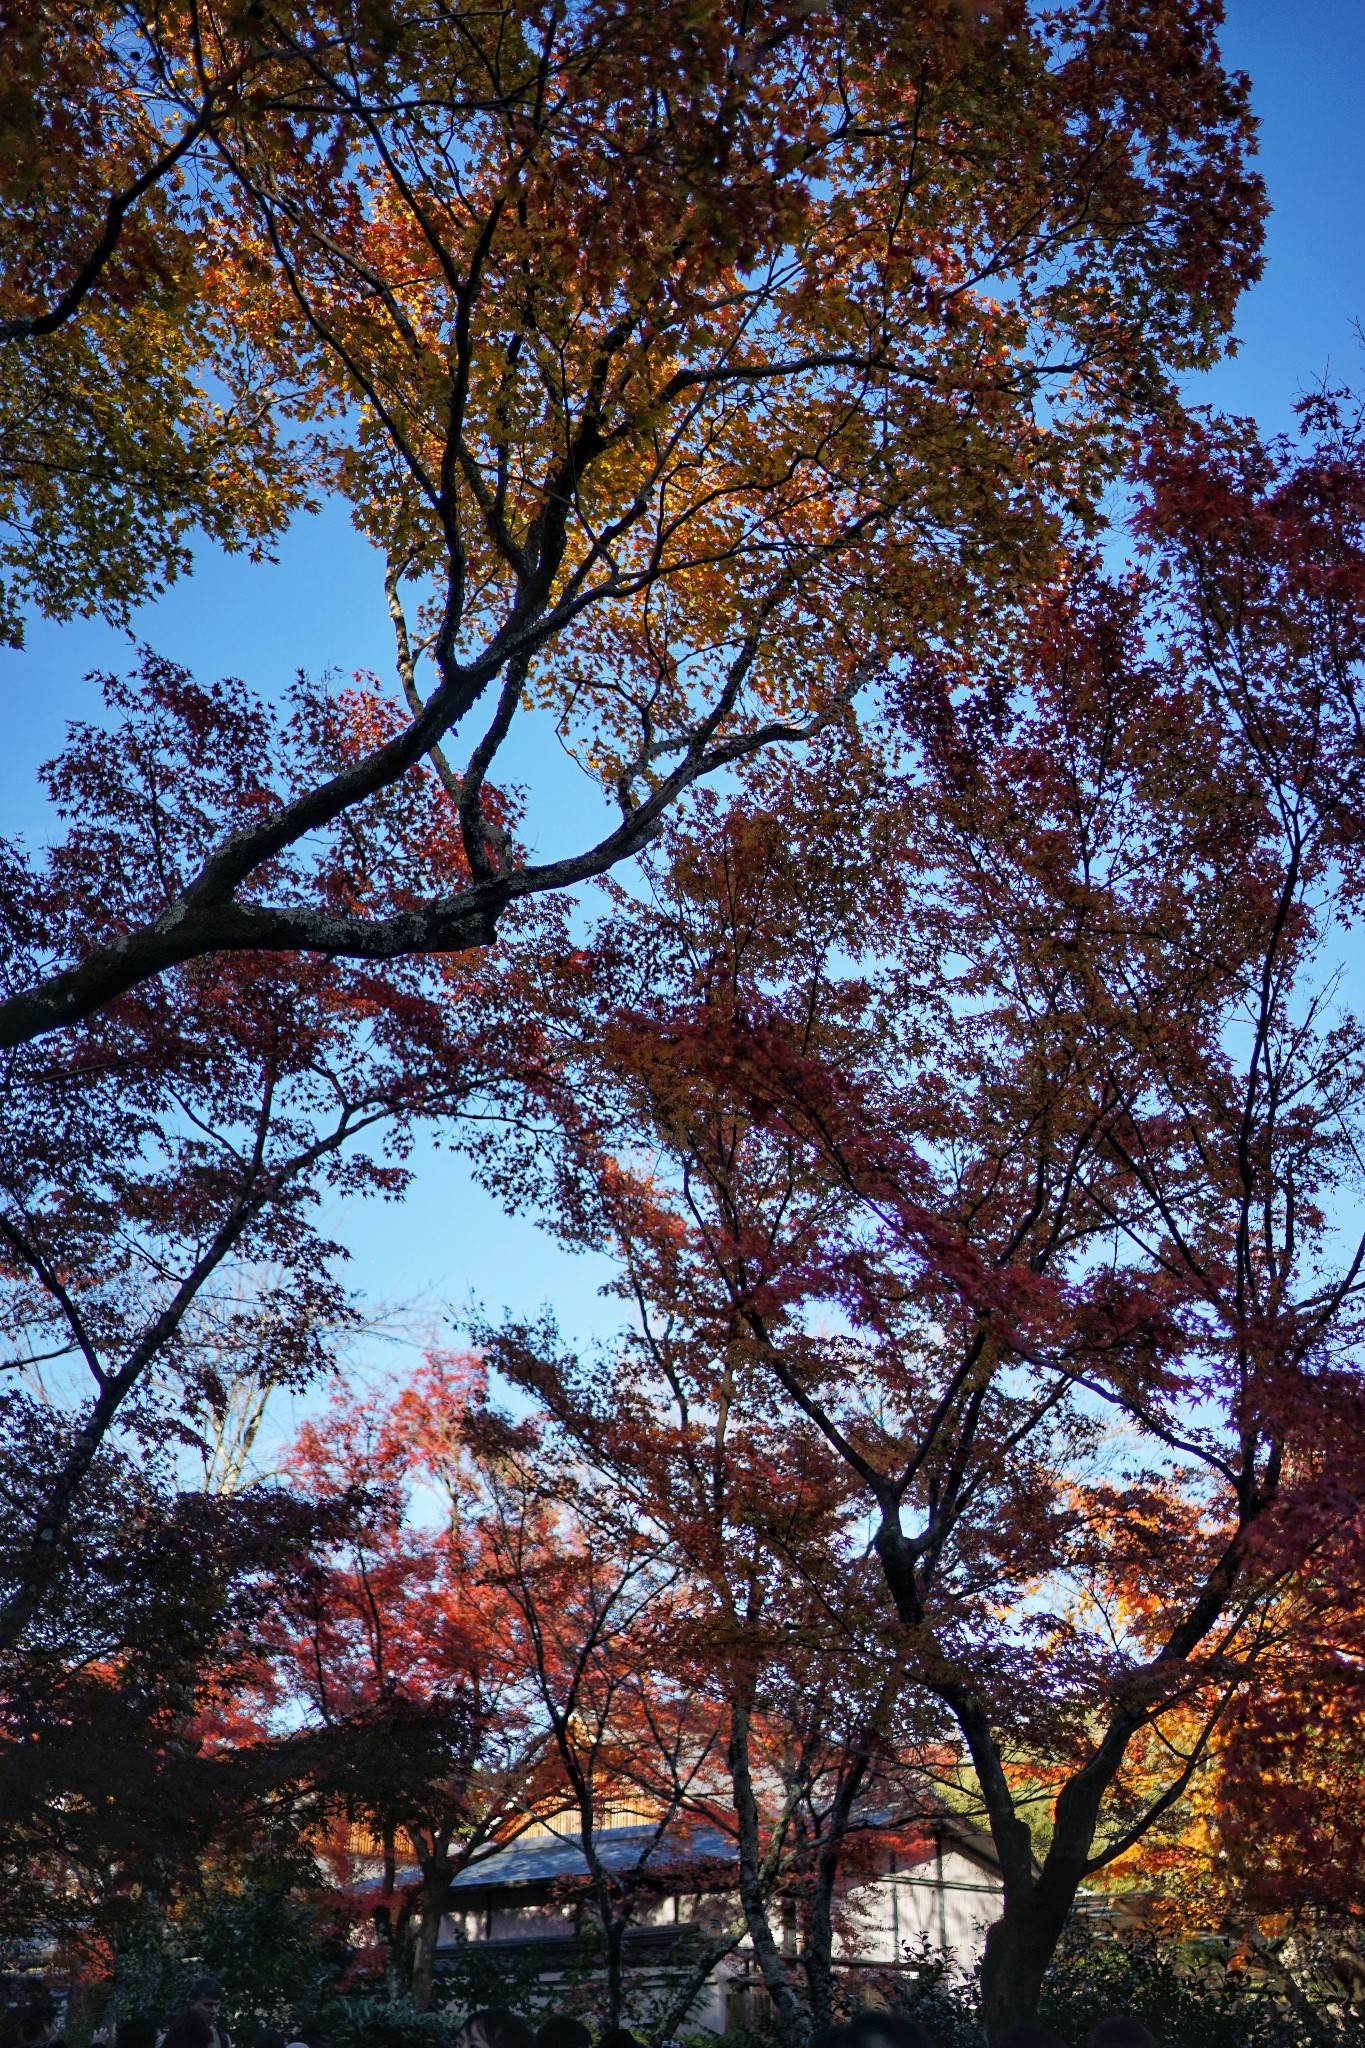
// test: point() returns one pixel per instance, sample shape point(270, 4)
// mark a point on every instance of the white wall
point(950, 1899)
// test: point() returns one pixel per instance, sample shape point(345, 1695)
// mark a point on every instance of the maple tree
point(692, 371)
point(744, 1751)
point(134, 414)
point(589, 1601)
point(535, 1654)
point(983, 1105)
point(392, 1657)
point(738, 1709)
point(118, 1785)
point(464, 1679)
point(656, 352)
point(1265, 1847)
point(653, 361)
point(155, 1160)
point(1285, 1813)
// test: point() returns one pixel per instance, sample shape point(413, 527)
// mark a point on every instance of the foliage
point(154, 1160)
point(389, 1659)
point(969, 1124)
point(1094, 1976)
point(256, 1931)
point(967, 1108)
point(134, 412)
point(950, 1228)
point(677, 400)
point(387, 2023)
point(683, 365)
point(725, 1699)
point(531, 1654)
point(1187, 2001)
point(160, 1172)
point(118, 1783)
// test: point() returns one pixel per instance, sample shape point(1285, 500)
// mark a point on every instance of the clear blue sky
point(321, 607)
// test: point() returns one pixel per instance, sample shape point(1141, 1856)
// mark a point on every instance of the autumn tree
point(593, 1602)
point(654, 355)
point(451, 1680)
point(1259, 1859)
point(996, 1129)
point(536, 1653)
point(152, 1161)
point(389, 1678)
point(124, 1771)
point(1266, 1846)
point(679, 366)
point(759, 1701)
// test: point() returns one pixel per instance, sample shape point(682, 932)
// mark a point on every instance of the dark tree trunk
point(819, 1956)
point(1023, 1940)
point(1019, 1948)
point(615, 1933)
point(674, 2016)
point(431, 1907)
point(389, 1927)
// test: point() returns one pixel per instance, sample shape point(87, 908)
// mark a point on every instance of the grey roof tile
point(542, 1859)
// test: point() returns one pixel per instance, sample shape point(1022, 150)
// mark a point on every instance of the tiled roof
point(542, 1859)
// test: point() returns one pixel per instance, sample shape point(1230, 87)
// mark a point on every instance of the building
point(938, 1897)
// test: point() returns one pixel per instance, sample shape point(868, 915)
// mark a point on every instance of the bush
point(378, 2023)
point(1095, 1974)
point(272, 1950)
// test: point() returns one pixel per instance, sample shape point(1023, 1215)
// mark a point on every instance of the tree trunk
point(1019, 1948)
point(384, 1919)
point(615, 1933)
point(819, 1956)
point(1023, 1940)
point(675, 2015)
point(435, 1891)
point(793, 2019)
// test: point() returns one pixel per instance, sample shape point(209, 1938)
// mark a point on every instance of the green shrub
point(378, 2023)
point(271, 1949)
point(1095, 1974)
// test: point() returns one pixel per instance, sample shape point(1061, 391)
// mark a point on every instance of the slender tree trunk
point(384, 1919)
point(675, 2015)
point(613, 1899)
point(400, 1953)
point(819, 1946)
point(615, 1933)
point(820, 1920)
point(793, 2017)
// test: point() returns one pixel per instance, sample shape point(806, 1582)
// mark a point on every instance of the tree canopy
point(995, 1142)
point(680, 366)
point(943, 1028)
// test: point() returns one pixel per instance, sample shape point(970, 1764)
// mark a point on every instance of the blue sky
point(321, 606)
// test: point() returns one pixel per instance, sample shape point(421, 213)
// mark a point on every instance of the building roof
point(543, 1859)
